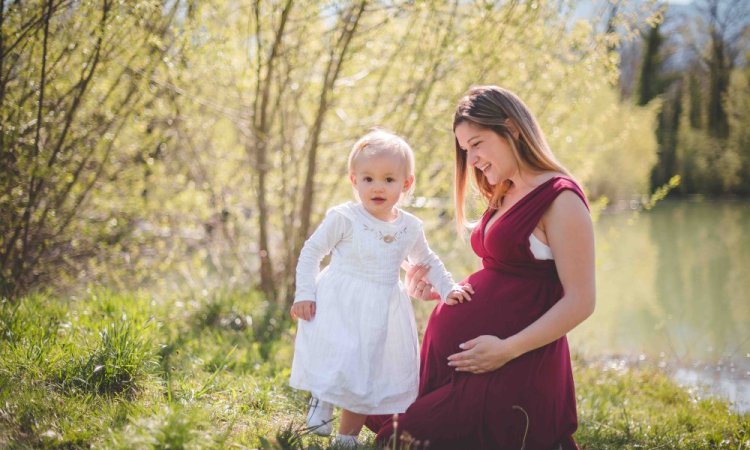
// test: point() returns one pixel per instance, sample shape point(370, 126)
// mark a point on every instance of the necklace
point(387, 238)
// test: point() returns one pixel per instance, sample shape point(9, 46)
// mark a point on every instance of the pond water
point(673, 288)
point(673, 291)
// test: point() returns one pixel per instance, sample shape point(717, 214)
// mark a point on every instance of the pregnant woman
point(496, 371)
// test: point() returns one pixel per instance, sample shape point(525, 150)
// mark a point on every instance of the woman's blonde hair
point(501, 111)
point(382, 142)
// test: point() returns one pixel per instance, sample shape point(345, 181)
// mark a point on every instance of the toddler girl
point(356, 346)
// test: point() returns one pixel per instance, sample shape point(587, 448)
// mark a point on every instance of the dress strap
point(533, 210)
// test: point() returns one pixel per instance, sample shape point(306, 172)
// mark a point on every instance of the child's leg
point(351, 423)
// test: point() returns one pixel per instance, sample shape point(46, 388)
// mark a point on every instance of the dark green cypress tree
point(649, 85)
point(720, 67)
point(654, 82)
point(668, 122)
point(696, 102)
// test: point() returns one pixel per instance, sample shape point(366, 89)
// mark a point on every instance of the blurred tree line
point(696, 64)
point(194, 144)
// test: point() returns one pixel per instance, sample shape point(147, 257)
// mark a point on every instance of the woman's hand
point(482, 354)
point(417, 285)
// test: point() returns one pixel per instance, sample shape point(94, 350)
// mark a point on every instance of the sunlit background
point(182, 148)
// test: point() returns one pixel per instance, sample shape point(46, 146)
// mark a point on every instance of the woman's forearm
point(565, 315)
point(487, 353)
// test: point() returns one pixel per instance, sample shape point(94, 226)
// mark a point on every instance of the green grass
point(136, 371)
point(645, 409)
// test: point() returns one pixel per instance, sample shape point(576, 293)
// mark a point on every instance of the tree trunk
point(261, 130)
point(337, 56)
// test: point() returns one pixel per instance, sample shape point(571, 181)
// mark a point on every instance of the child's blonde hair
point(381, 142)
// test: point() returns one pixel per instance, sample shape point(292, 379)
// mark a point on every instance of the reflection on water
point(673, 286)
point(718, 382)
point(673, 280)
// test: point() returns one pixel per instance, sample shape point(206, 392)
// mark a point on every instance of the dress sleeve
point(440, 278)
point(329, 233)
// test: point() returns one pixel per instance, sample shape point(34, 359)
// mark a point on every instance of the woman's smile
point(483, 166)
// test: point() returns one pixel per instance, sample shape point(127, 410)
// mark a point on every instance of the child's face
point(380, 180)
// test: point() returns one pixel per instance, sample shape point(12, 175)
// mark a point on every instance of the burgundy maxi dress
point(464, 411)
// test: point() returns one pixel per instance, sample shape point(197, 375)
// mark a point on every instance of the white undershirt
point(539, 249)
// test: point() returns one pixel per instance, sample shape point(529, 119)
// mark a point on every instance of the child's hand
point(457, 296)
point(304, 310)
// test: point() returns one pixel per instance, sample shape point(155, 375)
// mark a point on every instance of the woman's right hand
point(417, 285)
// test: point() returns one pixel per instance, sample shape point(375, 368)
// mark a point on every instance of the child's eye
point(368, 179)
point(390, 179)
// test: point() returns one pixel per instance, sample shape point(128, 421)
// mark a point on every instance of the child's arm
point(330, 232)
point(439, 277)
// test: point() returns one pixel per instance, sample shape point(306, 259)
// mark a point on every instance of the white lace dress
point(360, 352)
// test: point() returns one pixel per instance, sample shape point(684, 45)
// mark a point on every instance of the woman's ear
point(513, 128)
point(408, 183)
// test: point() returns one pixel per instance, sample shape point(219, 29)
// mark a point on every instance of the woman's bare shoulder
point(568, 208)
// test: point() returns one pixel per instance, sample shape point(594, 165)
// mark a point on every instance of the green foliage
point(651, 81)
point(661, 193)
point(714, 165)
point(69, 86)
point(705, 162)
point(628, 147)
point(209, 140)
point(701, 123)
point(738, 145)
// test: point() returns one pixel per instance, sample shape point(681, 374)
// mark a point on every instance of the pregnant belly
point(501, 306)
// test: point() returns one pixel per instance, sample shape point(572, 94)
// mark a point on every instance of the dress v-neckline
point(485, 229)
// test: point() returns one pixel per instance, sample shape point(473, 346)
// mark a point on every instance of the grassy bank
point(133, 371)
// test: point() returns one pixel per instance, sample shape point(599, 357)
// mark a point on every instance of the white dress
point(360, 352)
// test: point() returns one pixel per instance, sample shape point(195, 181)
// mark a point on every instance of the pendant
point(387, 238)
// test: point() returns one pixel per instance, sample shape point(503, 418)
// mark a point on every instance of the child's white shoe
point(345, 441)
point(319, 417)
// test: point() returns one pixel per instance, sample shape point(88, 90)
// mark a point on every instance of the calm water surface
point(673, 288)
point(673, 291)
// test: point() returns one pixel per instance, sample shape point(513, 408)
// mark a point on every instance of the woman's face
point(487, 151)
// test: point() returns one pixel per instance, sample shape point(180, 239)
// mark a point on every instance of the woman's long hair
point(501, 111)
